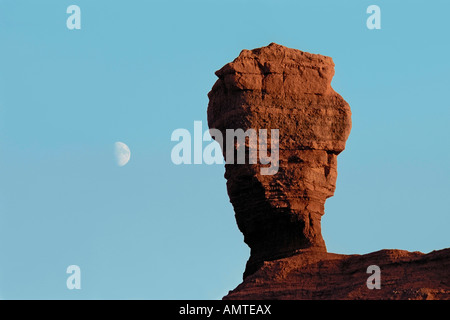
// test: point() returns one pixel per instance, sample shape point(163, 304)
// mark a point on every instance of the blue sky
point(136, 71)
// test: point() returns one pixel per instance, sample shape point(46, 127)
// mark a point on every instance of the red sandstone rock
point(404, 275)
point(275, 87)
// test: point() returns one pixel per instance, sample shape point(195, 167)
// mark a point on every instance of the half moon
point(123, 153)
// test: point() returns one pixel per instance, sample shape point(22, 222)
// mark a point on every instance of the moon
point(123, 153)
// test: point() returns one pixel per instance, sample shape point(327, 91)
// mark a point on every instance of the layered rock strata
point(275, 87)
point(327, 276)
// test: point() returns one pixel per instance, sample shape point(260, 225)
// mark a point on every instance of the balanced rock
point(275, 87)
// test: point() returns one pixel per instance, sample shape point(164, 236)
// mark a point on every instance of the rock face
point(275, 87)
point(404, 275)
point(279, 214)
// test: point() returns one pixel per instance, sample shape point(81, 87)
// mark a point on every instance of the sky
point(138, 70)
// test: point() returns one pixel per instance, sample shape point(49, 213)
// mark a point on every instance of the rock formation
point(404, 276)
point(275, 87)
point(279, 214)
